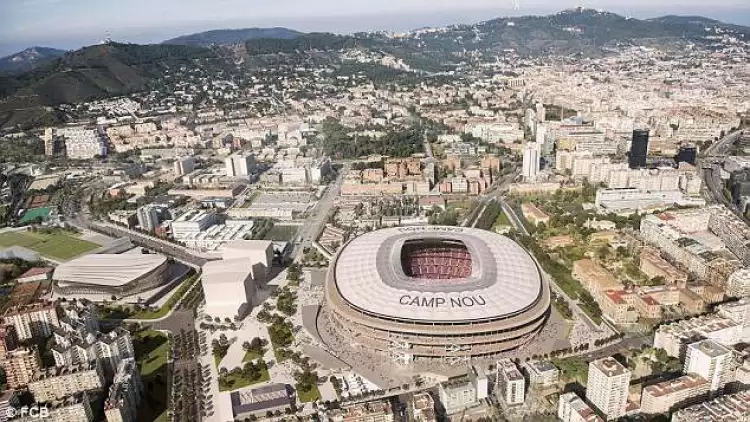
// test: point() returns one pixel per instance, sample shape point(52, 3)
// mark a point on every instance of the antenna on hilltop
point(516, 5)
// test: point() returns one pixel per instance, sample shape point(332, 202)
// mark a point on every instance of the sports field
point(60, 245)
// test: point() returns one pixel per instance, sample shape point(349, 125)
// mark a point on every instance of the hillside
point(232, 36)
point(91, 72)
point(28, 59)
point(574, 31)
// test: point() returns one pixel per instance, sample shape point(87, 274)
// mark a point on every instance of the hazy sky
point(72, 23)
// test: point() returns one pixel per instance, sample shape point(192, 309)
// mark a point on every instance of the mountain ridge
point(232, 36)
point(29, 59)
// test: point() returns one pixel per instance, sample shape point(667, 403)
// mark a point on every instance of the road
point(318, 217)
point(710, 166)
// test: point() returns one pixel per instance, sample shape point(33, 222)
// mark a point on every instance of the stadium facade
point(111, 274)
point(436, 292)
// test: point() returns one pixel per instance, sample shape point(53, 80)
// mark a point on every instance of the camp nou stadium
point(436, 292)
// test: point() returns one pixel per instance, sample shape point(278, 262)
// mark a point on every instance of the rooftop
point(610, 367)
point(503, 279)
point(108, 269)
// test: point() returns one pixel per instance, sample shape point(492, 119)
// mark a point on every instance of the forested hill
point(232, 36)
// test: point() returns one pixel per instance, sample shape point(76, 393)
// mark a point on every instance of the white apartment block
point(494, 132)
point(712, 361)
point(684, 236)
point(675, 337)
point(125, 393)
point(240, 165)
point(219, 234)
point(732, 231)
point(738, 284)
point(56, 383)
point(541, 373)
point(734, 407)
point(531, 160)
point(571, 408)
point(510, 383)
point(607, 387)
point(463, 392)
point(33, 321)
point(192, 222)
point(74, 349)
point(82, 143)
point(148, 217)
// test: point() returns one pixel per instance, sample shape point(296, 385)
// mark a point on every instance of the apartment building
point(240, 165)
point(510, 383)
point(668, 395)
point(541, 373)
point(82, 143)
point(20, 365)
point(457, 394)
point(607, 387)
point(125, 393)
point(56, 383)
point(684, 237)
point(72, 408)
point(8, 340)
point(712, 361)
point(423, 407)
point(191, 222)
point(738, 284)
point(734, 232)
point(374, 411)
point(76, 348)
point(571, 408)
point(675, 337)
point(728, 408)
point(34, 321)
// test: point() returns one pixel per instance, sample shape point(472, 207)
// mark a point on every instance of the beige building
point(73, 408)
point(594, 277)
point(33, 321)
point(533, 214)
point(668, 395)
point(374, 411)
point(56, 383)
point(607, 387)
point(653, 265)
point(20, 365)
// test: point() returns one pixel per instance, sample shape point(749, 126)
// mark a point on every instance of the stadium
point(111, 274)
point(434, 292)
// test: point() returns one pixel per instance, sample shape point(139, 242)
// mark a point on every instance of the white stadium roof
point(504, 279)
point(108, 269)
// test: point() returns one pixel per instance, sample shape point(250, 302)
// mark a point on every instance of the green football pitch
point(59, 246)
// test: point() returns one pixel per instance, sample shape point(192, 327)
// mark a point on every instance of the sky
point(70, 24)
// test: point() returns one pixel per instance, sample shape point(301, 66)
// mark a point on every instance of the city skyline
point(82, 24)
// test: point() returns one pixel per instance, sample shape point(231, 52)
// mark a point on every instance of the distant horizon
point(347, 24)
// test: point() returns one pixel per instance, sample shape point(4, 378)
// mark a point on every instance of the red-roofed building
point(36, 274)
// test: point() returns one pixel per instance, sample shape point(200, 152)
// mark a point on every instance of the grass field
point(60, 246)
point(251, 355)
point(308, 396)
point(238, 381)
point(151, 351)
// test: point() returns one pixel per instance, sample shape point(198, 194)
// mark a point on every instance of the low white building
point(230, 284)
point(510, 383)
